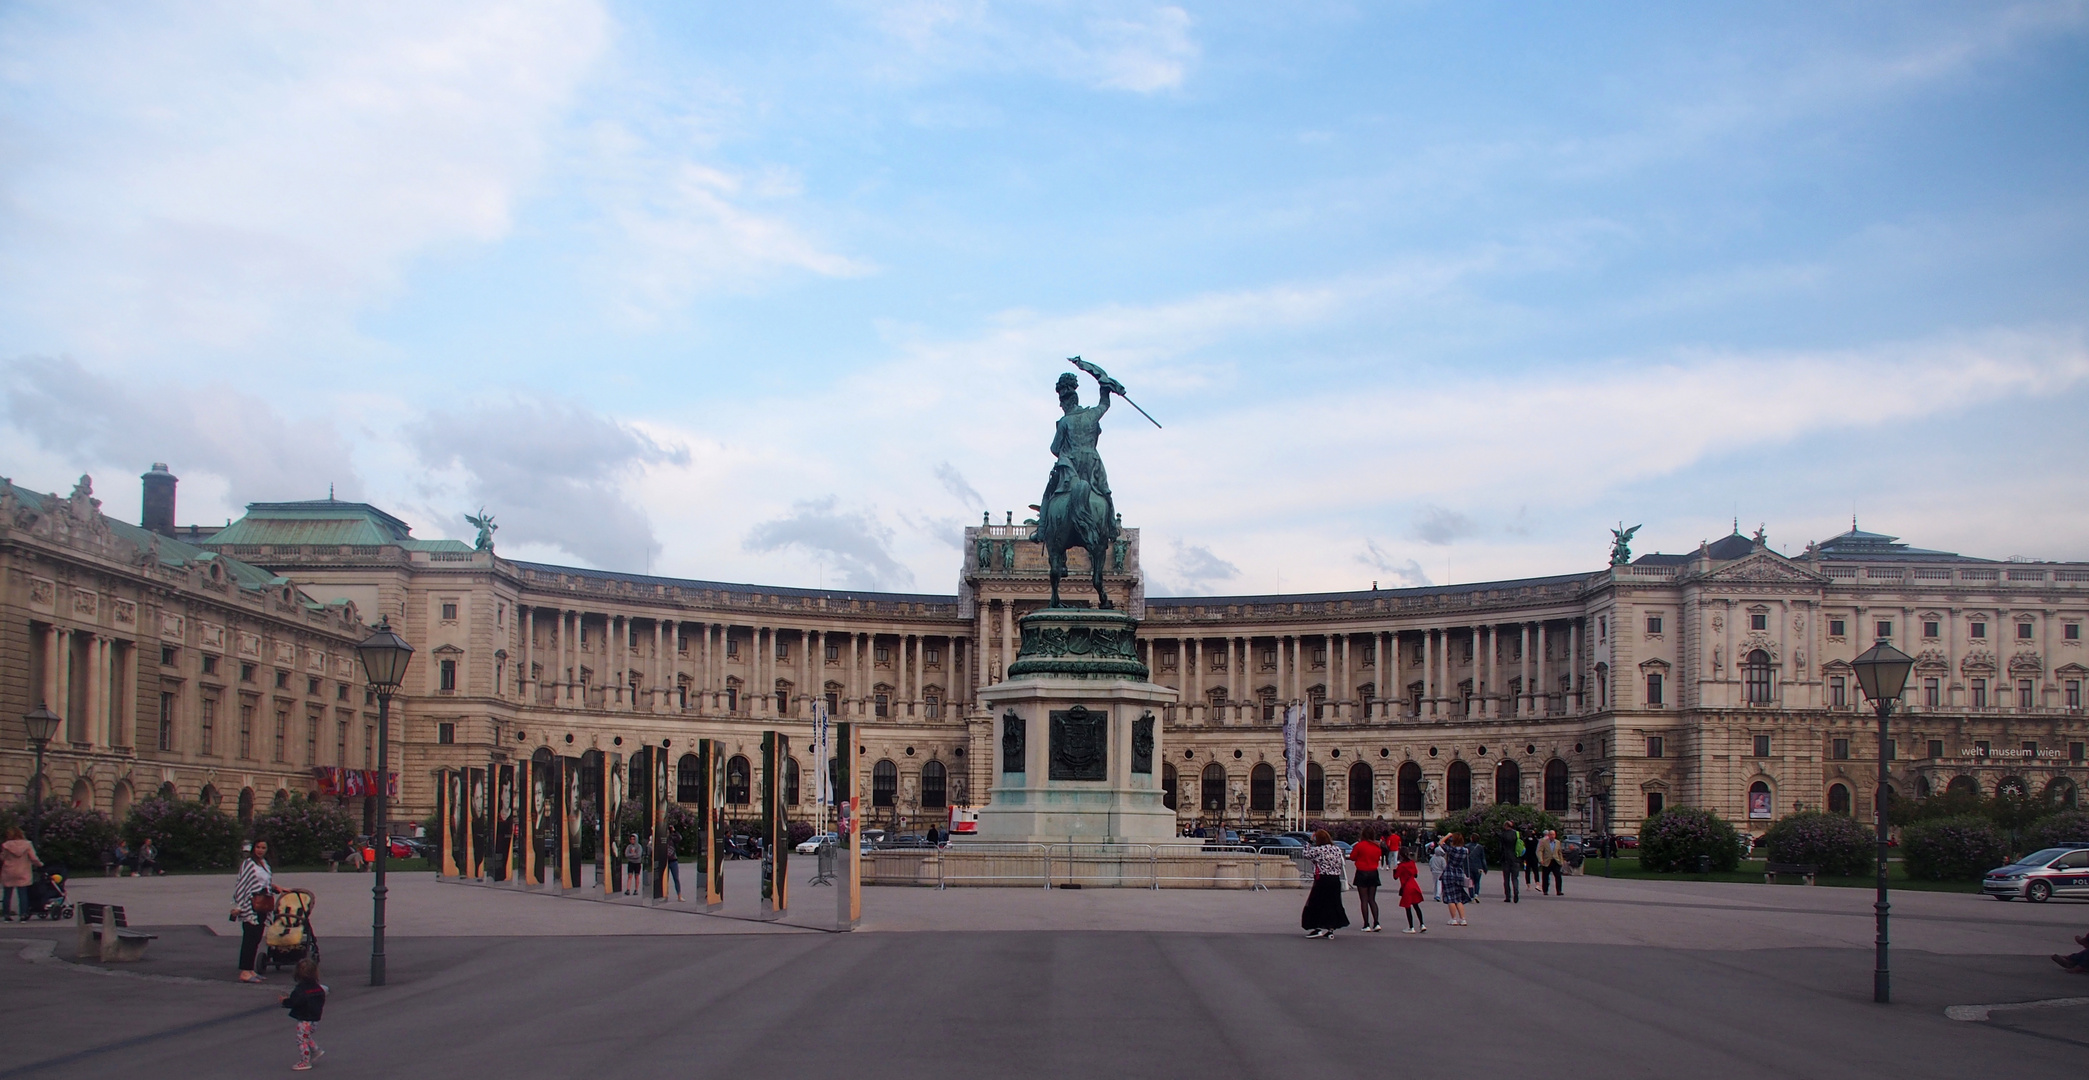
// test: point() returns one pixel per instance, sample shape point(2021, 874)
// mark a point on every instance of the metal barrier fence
point(1067, 865)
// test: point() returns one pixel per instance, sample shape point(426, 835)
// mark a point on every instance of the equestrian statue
point(1078, 510)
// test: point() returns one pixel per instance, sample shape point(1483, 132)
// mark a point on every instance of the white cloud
point(1139, 47)
point(223, 174)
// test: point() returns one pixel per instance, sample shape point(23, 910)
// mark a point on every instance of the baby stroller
point(287, 937)
point(46, 896)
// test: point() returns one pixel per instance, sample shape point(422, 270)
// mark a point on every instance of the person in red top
point(1410, 893)
point(1366, 854)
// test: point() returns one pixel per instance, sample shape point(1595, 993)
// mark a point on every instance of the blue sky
point(1423, 292)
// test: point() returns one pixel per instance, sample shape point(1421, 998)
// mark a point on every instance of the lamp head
point(385, 656)
point(42, 724)
point(1882, 671)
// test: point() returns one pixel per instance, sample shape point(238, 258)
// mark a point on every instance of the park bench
point(104, 923)
point(1805, 870)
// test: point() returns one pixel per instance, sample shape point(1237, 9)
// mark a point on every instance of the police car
point(2041, 875)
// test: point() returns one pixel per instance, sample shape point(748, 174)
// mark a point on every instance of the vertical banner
point(609, 840)
point(476, 832)
point(503, 866)
point(848, 894)
point(571, 819)
point(776, 827)
point(525, 842)
point(446, 820)
point(656, 824)
point(823, 788)
point(713, 752)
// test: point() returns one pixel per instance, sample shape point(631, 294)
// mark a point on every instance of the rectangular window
point(210, 664)
point(1758, 621)
point(1930, 629)
point(312, 687)
point(1654, 688)
point(1762, 746)
point(282, 736)
point(1839, 749)
point(934, 656)
point(883, 704)
point(732, 699)
point(881, 654)
point(1979, 629)
point(783, 649)
point(1892, 749)
point(449, 612)
point(2071, 631)
point(1602, 629)
point(341, 743)
point(1653, 624)
point(311, 740)
point(246, 731)
point(369, 747)
point(732, 646)
point(833, 703)
point(833, 654)
point(448, 670)
point(282, 680)
point(1654, 746)
point(1932, 693)
point(1837, 628)
point(445, 733)
point(168, 655)
point(933, 707)
point(1936, 748)
point(166, 721)
point(634, 637)
point(2075, 751)
point(2023, 631)
point(2074, 693)
point(2030, 750)
point(341, 692)
point(1655, 801)
point(1980, 747)
point(1980, 693)
point(207, 727)
point(246, 673)
point(2023, 694)
point(1838, 692)
point(1885, 629)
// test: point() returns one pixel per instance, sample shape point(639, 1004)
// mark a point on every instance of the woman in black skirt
point(1323, 914)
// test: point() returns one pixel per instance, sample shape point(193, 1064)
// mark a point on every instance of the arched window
point(1262, 789)
point(1602, 686)
point(1170, 780)
point(1508, 783)
point(1457, 785)
point(2012, 786)
point(935, 784)
point(689, 779)
point(1838, 798)
point(1316, 697)
point(739, 790)
point(2061, 794)
point(168, 793)
point(1760, 792)
point(1755, 677)
point(208, 796)
point(1922, 789)
point(1962, 785)
point(1410, 788)
point(790, 781)
point(591, 777)
point(1555, 786)
point(1216, 696)
point(884, 783)
point(1316, 789)
point(783, 698)
point(1892, 797)
point(1211, 790)
point(1360, 793)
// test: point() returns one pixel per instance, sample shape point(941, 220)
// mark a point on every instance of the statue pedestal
point(1078, 735)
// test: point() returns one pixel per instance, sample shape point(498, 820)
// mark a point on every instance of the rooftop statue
point(1621, 544)
point(1078, 510)
point(484, 522)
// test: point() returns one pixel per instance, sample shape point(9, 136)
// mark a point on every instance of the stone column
point(1190, 683)
point(920, 642)
point(1238, 672)
point(1009, 644)
point(1574, 701)
point(1284, 694)
point(54, 687)
point(980, 615)
point(97, 691)
point(849, 680)
point(1544, 667)
point(558, 653)
point(125, 714)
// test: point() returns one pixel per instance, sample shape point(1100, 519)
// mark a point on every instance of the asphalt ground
point(965, 983)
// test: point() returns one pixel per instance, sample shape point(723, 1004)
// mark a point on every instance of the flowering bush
point(686, 827)
point(67, 837)
point(2057, 830)
point(303, 830)
point(1834, 842)
point(1671, 841)
point(187, 835)
point(1952, 849)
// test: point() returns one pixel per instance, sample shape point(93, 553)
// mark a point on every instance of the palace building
point(1718, 678)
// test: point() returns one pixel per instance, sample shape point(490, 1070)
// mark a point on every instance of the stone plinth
point(1078, 736)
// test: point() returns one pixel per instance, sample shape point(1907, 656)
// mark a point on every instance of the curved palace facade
point(1718, 678)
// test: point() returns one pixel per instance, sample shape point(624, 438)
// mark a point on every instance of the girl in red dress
point(1410, 894)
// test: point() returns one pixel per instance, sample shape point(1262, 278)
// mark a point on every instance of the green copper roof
point(325, 522)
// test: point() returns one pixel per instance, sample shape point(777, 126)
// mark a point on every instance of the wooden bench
point(104, 924)
point(1805, 870)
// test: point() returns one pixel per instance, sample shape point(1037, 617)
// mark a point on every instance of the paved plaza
point(1617, 979)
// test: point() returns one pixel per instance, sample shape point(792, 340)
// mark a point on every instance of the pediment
point(1764, 568)
point(1656, 664)
point(2071, 671)
point(448, 650)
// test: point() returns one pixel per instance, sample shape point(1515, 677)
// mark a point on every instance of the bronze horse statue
point(1077, 517)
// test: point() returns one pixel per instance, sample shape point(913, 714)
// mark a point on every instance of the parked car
point(1280, 844)
point(1628, 840)
point(2041, 875)
point(812, 846)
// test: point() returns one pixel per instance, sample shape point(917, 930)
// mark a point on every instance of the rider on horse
point(1074, 446)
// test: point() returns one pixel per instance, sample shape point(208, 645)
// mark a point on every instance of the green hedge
point(1952, 849)
point(189, 835)
point(1672, 841)
point(1486, 822)
point(1836, 843)
point(302, 831)
point(2057, 830)
point(65, 837)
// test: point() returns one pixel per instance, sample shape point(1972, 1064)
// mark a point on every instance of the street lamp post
point(385, 656)
point(43, 727)
point(1882, 672)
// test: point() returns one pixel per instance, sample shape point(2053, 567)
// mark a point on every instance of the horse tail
point(1080, 510)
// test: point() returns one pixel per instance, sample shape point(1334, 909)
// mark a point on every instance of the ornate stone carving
point(1080, 744)
point(1014, 734)
point(1142, 744)
point(1076, 641)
